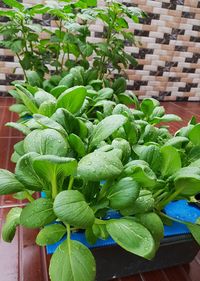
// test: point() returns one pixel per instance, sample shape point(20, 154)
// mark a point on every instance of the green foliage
point(67, 256)
point(129, 235)
point(89, 144)
point(50, 234)
point(67, 44)
point(12, 221)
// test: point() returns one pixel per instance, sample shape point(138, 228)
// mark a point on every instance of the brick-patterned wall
point(169, 59)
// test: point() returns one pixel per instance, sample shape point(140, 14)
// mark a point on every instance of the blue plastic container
point(179, 209)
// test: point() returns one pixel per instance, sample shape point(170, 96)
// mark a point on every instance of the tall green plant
point(40, 48)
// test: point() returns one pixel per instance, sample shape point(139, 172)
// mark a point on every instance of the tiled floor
point(22, 260)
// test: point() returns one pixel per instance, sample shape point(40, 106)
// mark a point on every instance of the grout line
point(13, 205)
point(164, 274)
point(187, 277)
point(20, 254)
point(44, 264)
point(11, 137)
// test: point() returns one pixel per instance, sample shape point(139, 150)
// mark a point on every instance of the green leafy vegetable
point(132, 236)
point(67, 256)
point(71, 207)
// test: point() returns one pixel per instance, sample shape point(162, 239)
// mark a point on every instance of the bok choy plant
point(88, 163)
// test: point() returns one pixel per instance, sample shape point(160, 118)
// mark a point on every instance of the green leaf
point(54, 169)
point(90, 236)
point(7, 13)
point(77, 144)
point(106, 128)
point(42, 96)
point(72, 261)
point(171, 160)
point(123, 193)
point(49, 123)
point(38, 213)
point(100, 165)
point(100, 231)
point(105, 93)
point(50, 234)
point(177, 142)
point(91, 2)
point(194, 135)
point(71, 207)
point(57, 91)
point(86, 49)
point(19, 148)
point(148, 105)
point(16, 46)
point(18, 108)
point(196, 163)
point(187, 181)
point(194, 153)
point(124, 145)
point(47, 108)
point(195, 230)
point(128, 99)
point(141, 173)
point(69, 122)
point(26, 174)
point(9, 183)
point(144, 203)
point(12, 221)
point(33, 77)
point(151, 154)
point(119, 86)
point(158, 111)
point(14, 4)
point(131, 60)
point(166, 118)
point(107, 108)
point(150, 134)
point(47, 141)
point(20, 127)
point(154, 224)
point(132, 132)
point(72, 99)
point(67, 81)
point(122, 109)
point(22, 195)
point(184, 131)
point(27, 101)
point(132, 236)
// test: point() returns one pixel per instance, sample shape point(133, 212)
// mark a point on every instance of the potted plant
point(68, 156)
point(90, 153)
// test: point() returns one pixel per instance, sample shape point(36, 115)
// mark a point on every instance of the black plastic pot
point(113, 261)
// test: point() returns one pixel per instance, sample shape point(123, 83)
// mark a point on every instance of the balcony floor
point(22, 260)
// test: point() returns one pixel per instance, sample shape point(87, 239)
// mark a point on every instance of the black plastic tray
point(113, 261)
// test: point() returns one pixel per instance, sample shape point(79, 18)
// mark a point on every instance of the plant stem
point(171, 218)
point(29, 197)
point(68, 232)
point(157, 193)
point(169, 199)
point(54, 187)
point(68, 237)
point(104, 189)
point(20, 61)
point(98, 221)
point(71, 181)
point(90, 110)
